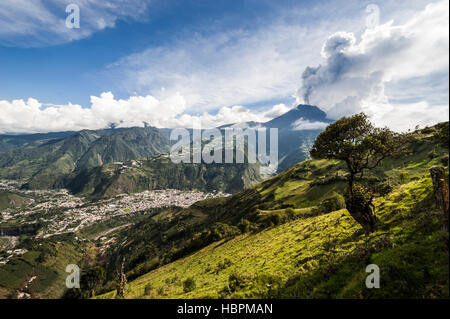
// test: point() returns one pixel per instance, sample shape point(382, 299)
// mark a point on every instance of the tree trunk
point(351, 182)
point(441, 194)
point(364, 217)
point(359, 204)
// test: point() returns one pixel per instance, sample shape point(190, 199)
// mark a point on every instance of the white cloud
point(406, 116)
point(355, 74)
point(277, 110)
point(195, 74)
point(32, 116)
point(237, 67)
point(26, 23)
point(301, 124)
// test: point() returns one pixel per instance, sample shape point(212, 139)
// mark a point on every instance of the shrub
point(189, 285)
point(223, 265)
point(220, 231)
point(332, 203)
point(148, 288)
point(161, 291)
point(276, 219)
point(290, 213)
point(171, 255)
point(236, 282)
point(383, 188)
point(244, 225)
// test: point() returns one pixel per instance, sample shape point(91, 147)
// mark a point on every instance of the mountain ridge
point(47, 160)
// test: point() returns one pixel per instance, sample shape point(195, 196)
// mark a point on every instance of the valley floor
point(50, 229)
point(75, 213)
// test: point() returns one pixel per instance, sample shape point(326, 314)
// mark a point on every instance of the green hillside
point(161, 173)
point(8, 199)
point(280, 238)
point(44, 264)
point(317, 257)
point(46, 163)
point(10, 142)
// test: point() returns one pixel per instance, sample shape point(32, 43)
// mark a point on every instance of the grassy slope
point(321, 256)
point(47, 163)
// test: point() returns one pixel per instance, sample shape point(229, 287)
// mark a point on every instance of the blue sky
point(68, 71)
point(223, 60)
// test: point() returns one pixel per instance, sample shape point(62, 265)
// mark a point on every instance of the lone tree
point(121, 281)
point(362, 147)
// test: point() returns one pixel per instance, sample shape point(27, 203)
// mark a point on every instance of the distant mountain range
point(47, 162)
point(160, 172)
point(63, 159)
point(297, 131)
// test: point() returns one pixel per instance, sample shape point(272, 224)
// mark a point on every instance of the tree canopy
point(361, 146)
point(358, 143)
